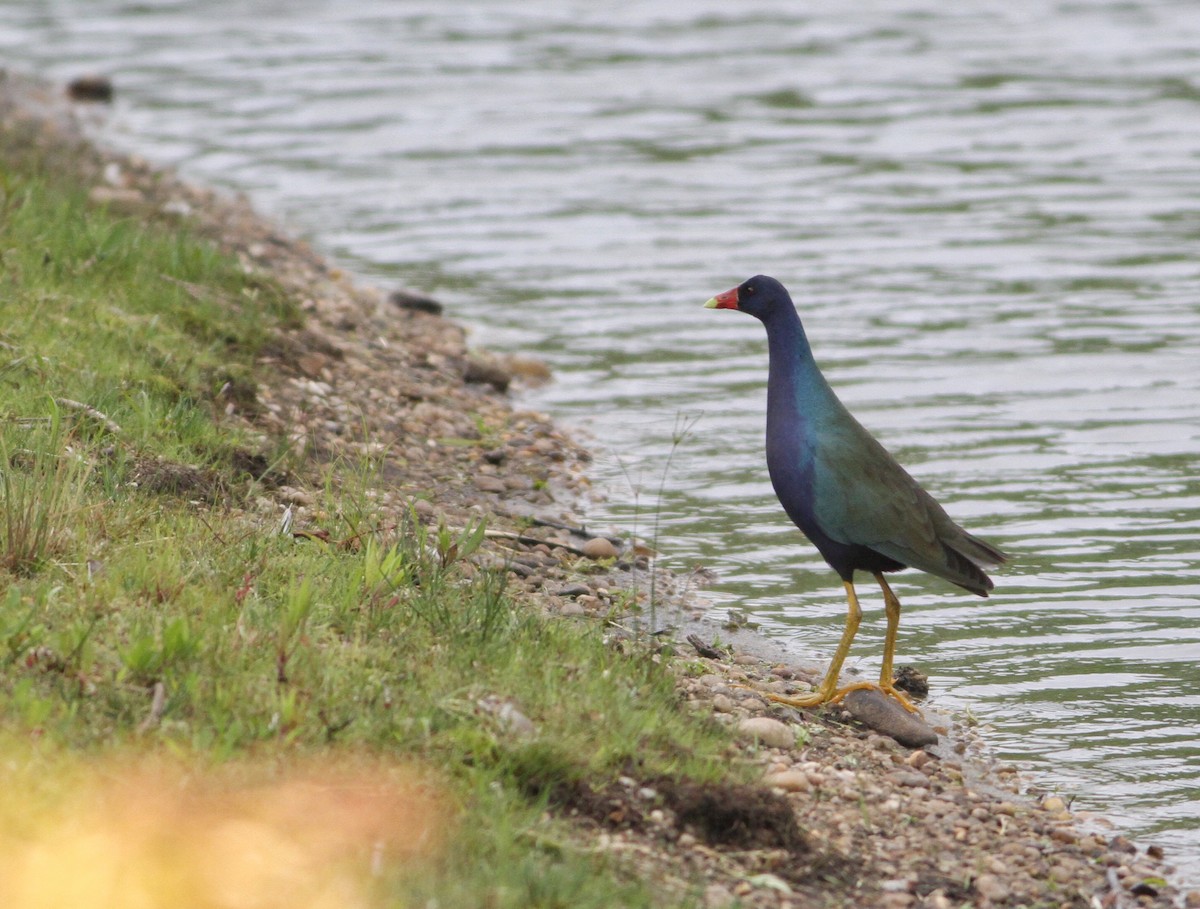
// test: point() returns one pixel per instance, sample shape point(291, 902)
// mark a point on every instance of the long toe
point(816, 699)
point(890, 690)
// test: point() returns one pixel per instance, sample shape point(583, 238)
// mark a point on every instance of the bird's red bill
point(727, 300)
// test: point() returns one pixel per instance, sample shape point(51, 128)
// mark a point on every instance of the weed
point(41, 494)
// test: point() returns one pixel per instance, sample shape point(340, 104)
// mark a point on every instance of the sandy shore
point(846, 816)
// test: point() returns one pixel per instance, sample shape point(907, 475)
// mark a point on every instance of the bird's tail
point(967, 556)
point(985, 555)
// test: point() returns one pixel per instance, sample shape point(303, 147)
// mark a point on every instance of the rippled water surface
point(988, 212)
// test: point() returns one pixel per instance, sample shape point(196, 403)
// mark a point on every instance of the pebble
point(722, 703)
point(918, 759)
point(599, 548)
point(90, 88)
point(768, 731)
point(1064, 835)
point(573, 590)
point(1121, 844)
point(789, 781)
point(1062, 872)
point(717, 896)
point(990, 887)
point(485, 483)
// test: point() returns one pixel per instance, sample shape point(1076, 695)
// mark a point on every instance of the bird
point(845, 492)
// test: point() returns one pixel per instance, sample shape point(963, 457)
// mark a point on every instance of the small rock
point(571, 608)
point(407, 300)
point(90, 88)
point(722, 703)
point(788, 781)
point(918, 759)
point(1054, 804)
point(486, 372)
point(573, 590)
point(717, 896)
point(912, 680)
point(990, 887)
point(599, 548)
point(768, 731)
point(424, 508)
point(115, 195)
point(1062, 872)
point(1064, 835)
point(295, 496)
point(490, 484)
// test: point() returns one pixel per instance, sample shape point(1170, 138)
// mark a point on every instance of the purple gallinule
point(851, 498)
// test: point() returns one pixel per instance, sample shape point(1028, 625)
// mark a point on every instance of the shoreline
point(900, 827)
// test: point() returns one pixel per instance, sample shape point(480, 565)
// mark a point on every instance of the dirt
point(844, 816)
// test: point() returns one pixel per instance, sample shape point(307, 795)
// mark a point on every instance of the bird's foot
point(885, 688)
point(832, 695)
point(816, 699)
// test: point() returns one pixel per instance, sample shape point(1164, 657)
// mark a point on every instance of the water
point(988, 212)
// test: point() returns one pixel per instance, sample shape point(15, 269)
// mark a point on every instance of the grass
point(166, 621)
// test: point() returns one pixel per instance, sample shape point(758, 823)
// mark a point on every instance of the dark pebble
point(481, 372)
point(573, 590)
point(521, 571)
point(90, 88)
point(406, 300)
point(912, 680)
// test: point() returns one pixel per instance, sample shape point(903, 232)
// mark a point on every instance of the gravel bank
point(845, 816)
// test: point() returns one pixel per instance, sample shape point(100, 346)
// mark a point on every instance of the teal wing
point(863, 496)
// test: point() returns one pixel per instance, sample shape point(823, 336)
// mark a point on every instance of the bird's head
point(759, 296)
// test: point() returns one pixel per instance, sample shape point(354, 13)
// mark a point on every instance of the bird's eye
point(749, 290)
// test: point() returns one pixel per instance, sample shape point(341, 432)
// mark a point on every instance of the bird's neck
point(794, 384)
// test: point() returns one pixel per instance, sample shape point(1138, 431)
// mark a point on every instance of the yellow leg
point(828, 692)
point(891, 605)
